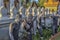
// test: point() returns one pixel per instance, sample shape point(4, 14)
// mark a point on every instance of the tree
point(26, 3)
point(41, 2)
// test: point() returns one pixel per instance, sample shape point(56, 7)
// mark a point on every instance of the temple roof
point(51, 3)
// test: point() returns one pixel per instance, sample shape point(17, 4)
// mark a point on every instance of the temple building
point(51, 4)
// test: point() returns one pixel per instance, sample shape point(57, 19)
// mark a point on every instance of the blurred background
point(6, 20)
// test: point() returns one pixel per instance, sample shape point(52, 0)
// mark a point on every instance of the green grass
point(57, 38)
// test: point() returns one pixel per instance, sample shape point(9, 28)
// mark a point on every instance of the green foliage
point(41, 2)
point(22, 1)
point(36, 37)
point(27, 5)
point(59, 29)
point(46, 34)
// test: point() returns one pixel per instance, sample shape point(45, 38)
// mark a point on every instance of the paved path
point(4, 32)
point(4, 27)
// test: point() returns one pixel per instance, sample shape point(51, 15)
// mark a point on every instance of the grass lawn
point(57, 38)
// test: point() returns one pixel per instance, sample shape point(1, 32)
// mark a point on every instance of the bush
point(46, 34)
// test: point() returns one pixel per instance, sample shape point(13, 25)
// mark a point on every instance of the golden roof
point(51, 3)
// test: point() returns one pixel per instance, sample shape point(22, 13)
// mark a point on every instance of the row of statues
point(29, 19)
